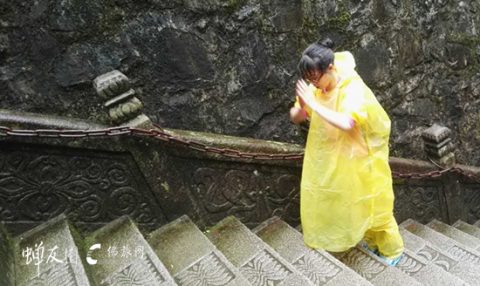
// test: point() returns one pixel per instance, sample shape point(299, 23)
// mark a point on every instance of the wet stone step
point(374, 270)
point(191, 258)
point(257, 261)
point(455, 234)
point(426, 272)
point(464, 271)
point(467, 228)
point(119, 255)
point(48, 255)
point(317, 265)
point(6, 259)
point(443, 242)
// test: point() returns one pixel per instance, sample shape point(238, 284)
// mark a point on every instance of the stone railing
point(155, 179)
point(95, 180)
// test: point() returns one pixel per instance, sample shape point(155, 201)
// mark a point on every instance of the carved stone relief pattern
point(463, 254)
point(471, 199)
point(247, 194)
point(60, 274)
point(364, 265)
point(265, 270)
point(140, 273)
point(431, 255)
point(36, 185)
point(317, 268)
point(421, 203)
point(209, 271)
point(410, 265)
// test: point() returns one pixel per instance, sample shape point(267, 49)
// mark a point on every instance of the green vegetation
point(464, 39)
point(233, 5)
point(340, 21)
point(112, 19)
point(337, 22)
point(471, 42)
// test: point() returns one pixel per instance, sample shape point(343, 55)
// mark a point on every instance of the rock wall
point(230, 66)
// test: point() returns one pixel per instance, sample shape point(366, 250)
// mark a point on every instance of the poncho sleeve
point(354, 102)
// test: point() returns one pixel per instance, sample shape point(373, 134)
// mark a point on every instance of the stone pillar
point(124, 108)
point(439, 148)
point(438, 145)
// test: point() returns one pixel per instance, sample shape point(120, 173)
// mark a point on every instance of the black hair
point(316, 57)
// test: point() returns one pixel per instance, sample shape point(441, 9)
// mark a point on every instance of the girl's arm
point(298, 115)
point(335, 118)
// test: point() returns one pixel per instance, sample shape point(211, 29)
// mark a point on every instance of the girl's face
point(314, 78)
point(321, 80)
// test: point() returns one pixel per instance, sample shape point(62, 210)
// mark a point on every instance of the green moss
point(339, 22)
point(309, 26)
point(233, 5)
point(477, 129)
point(471, 42)
point(464, 39)
point(112, 19)
point(336, 22)
point(342, 18)
point(81, 246)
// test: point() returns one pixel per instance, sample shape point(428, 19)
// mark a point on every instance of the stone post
point(124, 108)
point(438, 145)
point(439, 148)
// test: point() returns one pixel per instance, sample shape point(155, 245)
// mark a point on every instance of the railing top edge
point(29, 120)
point(24, 120)
point(404, 165)
point(474, 170)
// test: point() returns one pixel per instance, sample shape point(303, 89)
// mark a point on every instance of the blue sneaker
point(391, 261)
point(364, 245)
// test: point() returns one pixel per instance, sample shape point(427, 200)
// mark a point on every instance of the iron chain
point(194, 145)
point(153, 133)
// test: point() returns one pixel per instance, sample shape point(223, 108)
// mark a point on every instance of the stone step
point(465, 270)
point(376, 271)
point(477, 224)
point(455, 234)
point(255, 259)
point(119, 255)
point(7, 274)
point(318, 265)
point(48, 255)
point(448, 245)
point(442, 268)
point(425, 272)
point(467, 228)
point(191, 258)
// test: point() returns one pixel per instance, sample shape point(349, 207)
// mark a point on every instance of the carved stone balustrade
point(95, 179)
point(124, 107)
point(438, 145)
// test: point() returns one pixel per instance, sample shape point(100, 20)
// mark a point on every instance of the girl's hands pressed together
point(306, 93)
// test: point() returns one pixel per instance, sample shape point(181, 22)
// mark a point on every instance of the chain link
point(437, 174)
point(416, 176)
point(153, 133)
point(159, 134)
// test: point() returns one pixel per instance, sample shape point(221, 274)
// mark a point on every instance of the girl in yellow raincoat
point(346, 188)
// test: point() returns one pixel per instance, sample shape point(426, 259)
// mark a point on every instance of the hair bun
point(327, 43)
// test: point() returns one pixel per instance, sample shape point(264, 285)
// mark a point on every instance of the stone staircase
point(229, 253)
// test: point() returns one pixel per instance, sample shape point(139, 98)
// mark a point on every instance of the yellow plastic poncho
point(346, 186)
